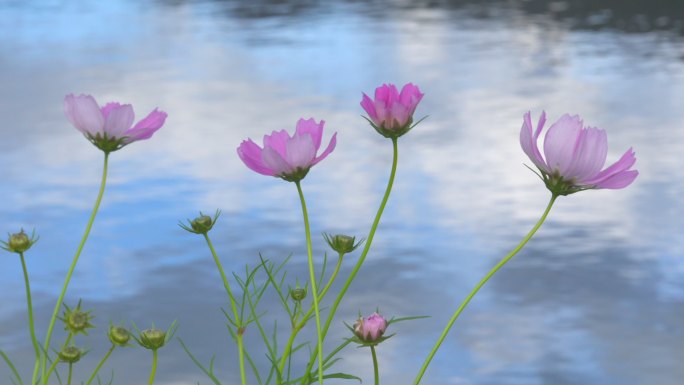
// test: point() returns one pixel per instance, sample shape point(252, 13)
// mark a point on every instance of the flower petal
point(250, 153)
point(560, 143)
point(277, 141)
point(328, 150)
point(590, 155)
point(118, 121)
point(619, 180)
point(369, 107)
point(147, 126)
point(400, 116)
point(109, 107)
point(315, 130)
point(84, 113)
point(300, 151)
point(528, 140)
point(409, 97)
point(274, 161)
point(617, 175)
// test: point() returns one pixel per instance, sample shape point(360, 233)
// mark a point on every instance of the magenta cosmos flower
point(110, 127)
point(370, 329)
point(391, 112)
point(285, 156)
point(574, 156)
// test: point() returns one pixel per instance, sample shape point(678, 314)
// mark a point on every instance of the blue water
point(597, 297)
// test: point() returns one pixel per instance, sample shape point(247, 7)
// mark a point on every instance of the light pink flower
point(391, 112)
point(574, 156)
point(370, 329)
point(109, 127)
point(285, 156)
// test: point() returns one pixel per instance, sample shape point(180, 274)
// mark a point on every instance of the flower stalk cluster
point(572, 160)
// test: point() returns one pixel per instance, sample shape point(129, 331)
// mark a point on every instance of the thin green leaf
point(208, 372)
point(400, 319)
point(11, 366)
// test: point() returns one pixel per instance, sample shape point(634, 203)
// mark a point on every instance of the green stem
point(288, 347)
point(375, 366)
point(236, 314)
point(312, 277)
point(154, 367)
point(53, 319)
point(99, 365)
point(226, 284)
point(32, 328)
point(71, 370)
point(296, 327)
point(366, 248)
point(54, 365)
point(332, 277)
point(241, 355)
point(477, 287)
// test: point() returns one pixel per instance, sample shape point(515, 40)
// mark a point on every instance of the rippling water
point(597, 297)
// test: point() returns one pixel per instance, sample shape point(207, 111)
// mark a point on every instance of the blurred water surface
point(597, 297)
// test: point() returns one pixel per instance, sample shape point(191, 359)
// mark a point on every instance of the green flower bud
point(76, 320)
point(119, 335)
point(343, 244)
point(70, 354)
point(200, 225)
point(298, 293)
point(152, 339)
point(19, 242)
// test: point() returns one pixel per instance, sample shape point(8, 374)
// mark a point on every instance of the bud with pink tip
point(370, 329)
point(391, 112)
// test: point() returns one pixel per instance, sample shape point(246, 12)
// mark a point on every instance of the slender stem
point(312, 277)
point(32, 328)
point(477, 287)
point(366, 248)
point(54, 365)
point(154, 367)
point(332, 277)
point(226, 284)
point(288, 347)
point(296, 327)
point(241, 355)
point(236, 314)
point(71, 370)
point(375, 366)
point(99, 365)
point(46, 345)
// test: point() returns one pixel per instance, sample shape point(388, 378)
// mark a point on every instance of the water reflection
point(595, 298)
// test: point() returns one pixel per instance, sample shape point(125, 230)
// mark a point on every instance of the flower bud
point(298, 293)
point(370, 329)
point(343, 244)
point(76, 320)
point(70, 354)
point(19, 242)
point(202, 224)
point(119, 335)
point(152, 339)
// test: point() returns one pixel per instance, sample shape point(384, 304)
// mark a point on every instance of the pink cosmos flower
point(109, 127)
point(370, 329)
point(391, 113)
point(284, 156)
point(574, 156)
